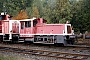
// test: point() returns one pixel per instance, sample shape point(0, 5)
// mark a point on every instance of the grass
point(4, 57)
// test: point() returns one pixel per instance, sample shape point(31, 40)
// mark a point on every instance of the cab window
point(22, 25)
point(27, 23)
point(69, 29)
point(0, 17)
point(34, 23)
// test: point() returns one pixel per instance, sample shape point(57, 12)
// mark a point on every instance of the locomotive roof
point(32, 19)
point(28, 19)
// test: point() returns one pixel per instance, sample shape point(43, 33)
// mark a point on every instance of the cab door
point(28, 28)
point(22, 27)
point(15, 27)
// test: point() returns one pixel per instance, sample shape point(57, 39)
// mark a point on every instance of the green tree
point(87, 13)
point(63, 11)
point(35, 13)
point(13, 7)
point(80, 19)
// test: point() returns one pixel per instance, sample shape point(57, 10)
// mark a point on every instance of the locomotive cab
point(3, 16)
point(28, 25)
point(27, 28)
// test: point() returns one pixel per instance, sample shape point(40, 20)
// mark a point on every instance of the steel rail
point(62, 55)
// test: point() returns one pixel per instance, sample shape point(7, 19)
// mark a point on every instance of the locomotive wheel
point(1, 38)
point(15, 39)
point(72, 41)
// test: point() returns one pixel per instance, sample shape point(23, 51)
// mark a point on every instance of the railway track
point(46, 53)
point(79, 46)
point(70, 49)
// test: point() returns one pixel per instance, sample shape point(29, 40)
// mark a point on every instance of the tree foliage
point(35, 12)
point(77, 12)
point(21, 15)
point(80, 19)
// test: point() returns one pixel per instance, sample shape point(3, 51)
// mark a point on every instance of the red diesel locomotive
point(35, 30)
